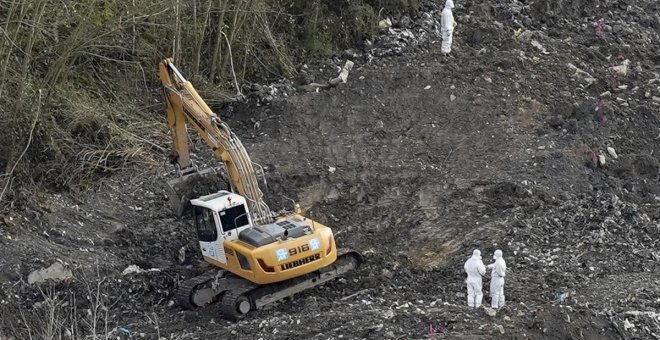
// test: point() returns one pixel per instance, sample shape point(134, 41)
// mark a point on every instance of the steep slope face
point(416, 161)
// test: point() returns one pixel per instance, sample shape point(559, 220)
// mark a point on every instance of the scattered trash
point(588, 78)
point(375, 328)
point(534, 229)
point(385, 24)
point(56, 272)
point(332, 169)
point(628, 325)
point(182, 255)
point(621, 69)
point(341, 78)
point(653, 315)
point(134, 269)
point(427, 87)
point(490, 311)
point(539, 47)
point(487, 77)
point(343, 74)
point(600, 28)
point(601, 159)
point(612, 152)
point(431, 331)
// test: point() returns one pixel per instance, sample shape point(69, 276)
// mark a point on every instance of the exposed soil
point(496, 154)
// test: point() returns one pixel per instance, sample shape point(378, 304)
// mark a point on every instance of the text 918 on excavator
point(262, 258)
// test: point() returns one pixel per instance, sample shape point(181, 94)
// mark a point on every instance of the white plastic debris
point(490, 311)
point(134, 269)
point(343, 74)
point(621, 69)
point(182, 255)
point(539, 47)
point(612, 152)
point(601, 159)
point(628, 325)
point(385, 23)
point(388, 314)
point(585, 75)
point(427, 87)
point(332, 169)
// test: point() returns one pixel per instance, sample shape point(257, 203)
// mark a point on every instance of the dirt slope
point(496, 153)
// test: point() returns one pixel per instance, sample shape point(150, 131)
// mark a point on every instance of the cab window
point(234, 217)
point(205, 225)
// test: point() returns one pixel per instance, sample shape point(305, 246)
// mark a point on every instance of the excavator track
point(186, 294)
point(347, 260)
point(240, 296)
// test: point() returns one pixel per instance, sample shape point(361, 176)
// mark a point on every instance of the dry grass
point(94, 62)
point(58, 315)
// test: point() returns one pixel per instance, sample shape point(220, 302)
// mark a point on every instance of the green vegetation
point(78, 77)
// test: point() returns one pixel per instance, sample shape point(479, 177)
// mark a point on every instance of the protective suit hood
point(449, 4)
point(476, 254)
point(497, 255)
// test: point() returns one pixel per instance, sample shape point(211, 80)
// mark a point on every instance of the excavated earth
point(417, 160)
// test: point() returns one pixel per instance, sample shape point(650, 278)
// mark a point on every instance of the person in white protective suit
point(474, 268)
point(497, 274)
point(447, 27)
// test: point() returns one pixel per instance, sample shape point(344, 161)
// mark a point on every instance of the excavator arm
point(185, 107)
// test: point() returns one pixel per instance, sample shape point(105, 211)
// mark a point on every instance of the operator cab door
point(211, 238)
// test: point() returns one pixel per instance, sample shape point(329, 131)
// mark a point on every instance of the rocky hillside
point(537, 136)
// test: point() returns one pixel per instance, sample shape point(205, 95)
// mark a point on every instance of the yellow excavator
point(261, 257)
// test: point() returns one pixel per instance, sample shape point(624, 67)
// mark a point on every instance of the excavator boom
point(184, 105)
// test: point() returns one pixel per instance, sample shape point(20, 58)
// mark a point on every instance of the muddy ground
point(416, 161)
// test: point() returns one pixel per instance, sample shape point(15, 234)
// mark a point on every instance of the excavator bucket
point(192, 185)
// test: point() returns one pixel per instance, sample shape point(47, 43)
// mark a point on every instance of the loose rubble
point(527, 151)
point(56, 272)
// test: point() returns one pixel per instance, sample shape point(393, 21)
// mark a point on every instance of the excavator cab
point(218, 217)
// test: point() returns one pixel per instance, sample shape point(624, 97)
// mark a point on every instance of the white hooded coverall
point(447, 27)
point(474, 268)
point(498, 272)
